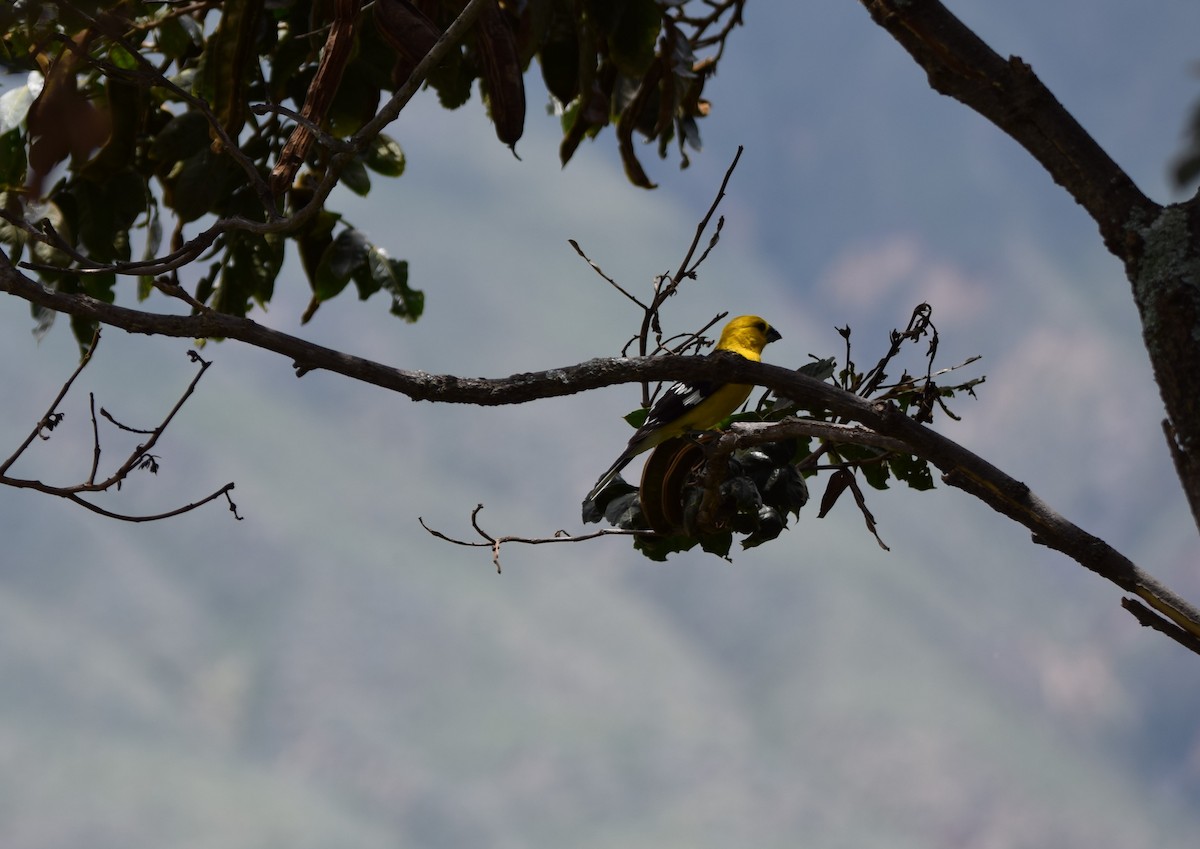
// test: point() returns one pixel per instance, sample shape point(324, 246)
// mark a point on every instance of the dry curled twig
point(494, 543)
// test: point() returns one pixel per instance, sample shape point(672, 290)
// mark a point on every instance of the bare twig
point(494, 543)
point(686, 268)
point(156, 517)
point(142, 450)
point(327, 140)
point(124, 427)
point(91, 478)
point(140, 457)
point(596, 268)
point(48, 421)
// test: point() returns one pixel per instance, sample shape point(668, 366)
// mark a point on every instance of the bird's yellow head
point(747, 335)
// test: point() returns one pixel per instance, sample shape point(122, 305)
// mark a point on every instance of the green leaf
point(605, 13)
point(689, 131)
point(786, 490)
point(874, 471)
point(718, 544)
point(392, 277)
point(252, 262)
point(355, 102)
point(632, 38)
point(105, 211)
point(234, 290)
point(13, 163)
point(174, 39)
point(452, 80)
point(42, 253)
point(770, 524)
point(355, 178)
point(122, 58)
point(294, 52)
point(384, 156)
point(182, 137)
point(315, 240)
point(100, 286)
point(913, 470)
point(820, 369)
point(261, 254)
point(346, 255)
point(656, 547)
point(559, 58)
point(83, 329)
point(207, 284)
point(625, 510)
point(43, 320)
point(875, 474)
point(195, 186)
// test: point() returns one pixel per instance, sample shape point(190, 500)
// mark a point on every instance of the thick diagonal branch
point(1008, 93)
point(1159, 246)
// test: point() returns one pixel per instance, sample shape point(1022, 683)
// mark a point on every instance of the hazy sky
point(325, 665)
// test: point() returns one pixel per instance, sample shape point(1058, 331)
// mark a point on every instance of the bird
point(696, 405)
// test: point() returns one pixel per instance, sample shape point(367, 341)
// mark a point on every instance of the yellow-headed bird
point(701, 405)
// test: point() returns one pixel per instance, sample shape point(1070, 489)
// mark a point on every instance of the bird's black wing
point(676, 401)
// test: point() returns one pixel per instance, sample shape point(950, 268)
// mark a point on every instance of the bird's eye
point(760, 326)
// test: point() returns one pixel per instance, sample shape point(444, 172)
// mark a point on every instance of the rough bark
point(1158, 245)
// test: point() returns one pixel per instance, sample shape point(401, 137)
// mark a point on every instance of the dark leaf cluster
point(170, 116)
point(759, 490)
point(751, 491)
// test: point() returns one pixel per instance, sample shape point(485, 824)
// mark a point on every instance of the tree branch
point(1008, 93)
point(1160, 246)
point(345, 151)
point(51, 418)
point(494, 543)
point(960, 467)
point(139, 457)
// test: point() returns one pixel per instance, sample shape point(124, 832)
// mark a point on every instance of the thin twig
point(1151, 619)
point(91, 478)
point(327, 140)
point(62, 393)
point(125, 427)
point(141, 450)
point(661, 294)
point(596, 268)
point(683, 270)
point(137, 459)
point(187, 508)
point(494, 543)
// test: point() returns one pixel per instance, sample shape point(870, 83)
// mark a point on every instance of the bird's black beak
point(773, 335)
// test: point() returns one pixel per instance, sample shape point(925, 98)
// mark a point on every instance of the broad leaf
point(346, 255)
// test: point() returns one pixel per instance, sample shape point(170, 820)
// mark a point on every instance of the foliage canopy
point(239, 117)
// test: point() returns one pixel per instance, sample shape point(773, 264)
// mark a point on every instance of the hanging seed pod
point(501, 71)
point(667, 471)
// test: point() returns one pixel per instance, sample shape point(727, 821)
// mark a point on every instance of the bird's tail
point(607, 477)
